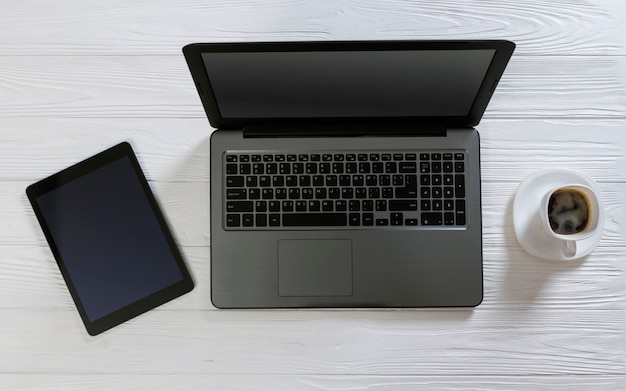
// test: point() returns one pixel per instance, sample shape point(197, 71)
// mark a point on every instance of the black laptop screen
point(316, 84)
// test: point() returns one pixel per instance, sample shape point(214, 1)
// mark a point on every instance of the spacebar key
point(314, 219)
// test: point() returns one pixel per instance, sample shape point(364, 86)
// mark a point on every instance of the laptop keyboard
point(362, 190)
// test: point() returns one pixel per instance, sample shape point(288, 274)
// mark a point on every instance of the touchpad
point(315, 267)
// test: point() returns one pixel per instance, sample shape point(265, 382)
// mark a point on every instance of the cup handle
point(569, 248)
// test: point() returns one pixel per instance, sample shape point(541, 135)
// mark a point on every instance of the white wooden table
point(78, 76)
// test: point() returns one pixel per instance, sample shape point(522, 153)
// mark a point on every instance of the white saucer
point(526, 221)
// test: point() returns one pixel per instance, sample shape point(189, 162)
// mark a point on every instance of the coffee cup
point(570, 213)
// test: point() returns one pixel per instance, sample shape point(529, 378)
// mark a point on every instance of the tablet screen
point(109, 238)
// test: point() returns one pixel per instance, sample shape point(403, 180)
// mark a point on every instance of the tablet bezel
point(137, 307)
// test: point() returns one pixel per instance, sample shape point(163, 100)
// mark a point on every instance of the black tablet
point(109, 238)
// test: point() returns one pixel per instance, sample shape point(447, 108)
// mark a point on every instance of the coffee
point(568, 211)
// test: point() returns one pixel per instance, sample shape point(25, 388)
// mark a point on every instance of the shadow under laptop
point(444, 316)
point(183, 194)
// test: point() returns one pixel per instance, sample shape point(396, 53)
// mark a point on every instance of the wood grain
point(77, 77)
point(148, 27)
point(306, 342)
point(53, 382)
point(160, 86)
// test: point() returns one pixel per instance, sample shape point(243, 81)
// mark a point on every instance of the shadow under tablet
point(109, 238)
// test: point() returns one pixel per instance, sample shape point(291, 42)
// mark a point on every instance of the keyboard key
point(260, 206)
point(278, 181)
point(460, 212)
point(273, 206)
point(274, 220)
point(355, 219)
point(407, 167)
point(459, 186)
point(258, 168)
point(236, 194)
point(397, 219)
point(401, 205)
point(234, 181)
point(410, 188)
point(287, 206)
point(245, 168)
point(382, 222)
point(239, 206)
point(265, 180)
point(247, 220)
point(232, 220)
point(314, 219)
point(432, 218)
point(231, 169)
point(254, 194)
point(261, 220)
point(436, 167)
point(368, 219)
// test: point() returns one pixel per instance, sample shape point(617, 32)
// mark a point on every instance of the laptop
point(346, 174)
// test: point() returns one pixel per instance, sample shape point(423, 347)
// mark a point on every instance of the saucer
point(528, 228)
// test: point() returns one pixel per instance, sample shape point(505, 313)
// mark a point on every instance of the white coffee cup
point(570, 213)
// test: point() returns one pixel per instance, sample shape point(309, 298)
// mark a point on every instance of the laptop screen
point(359, 83)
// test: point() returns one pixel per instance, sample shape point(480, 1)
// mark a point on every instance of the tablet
point(109, 238)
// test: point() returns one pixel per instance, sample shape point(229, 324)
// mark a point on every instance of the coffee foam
point(568, 211)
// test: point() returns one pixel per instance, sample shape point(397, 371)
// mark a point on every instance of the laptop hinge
point(373, 130)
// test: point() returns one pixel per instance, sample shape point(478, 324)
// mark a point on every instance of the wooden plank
point(53, 382)
point(160, 86)
point(162, 27)
point(384, 343)
point(177, 149)
point(512, 150)
point(168, 149)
